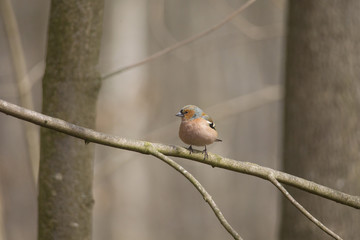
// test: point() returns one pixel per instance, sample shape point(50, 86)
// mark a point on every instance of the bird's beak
point(179, 114)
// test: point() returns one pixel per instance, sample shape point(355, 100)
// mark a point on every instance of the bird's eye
point(184, 111)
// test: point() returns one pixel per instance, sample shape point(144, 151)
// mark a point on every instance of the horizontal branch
point(214, 160)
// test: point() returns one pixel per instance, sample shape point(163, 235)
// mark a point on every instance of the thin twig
point(249, 29)
point(207, 197)
point(22, 80)
point(213, 159)
point(182, 43)
point(301, 208)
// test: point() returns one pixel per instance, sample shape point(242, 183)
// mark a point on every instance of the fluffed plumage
point(196, 128)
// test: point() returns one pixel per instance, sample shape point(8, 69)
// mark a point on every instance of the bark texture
point(70, 88)
point(322, 112)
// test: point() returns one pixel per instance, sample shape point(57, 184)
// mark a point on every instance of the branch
point(240, 104)
point(251, 30)
point(213, 160)
point(273, 180)
point(22, 80)
point(182, 43)
point(153, 151)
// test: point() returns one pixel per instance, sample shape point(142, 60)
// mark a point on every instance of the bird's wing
point(209, 120)
point(206, 117)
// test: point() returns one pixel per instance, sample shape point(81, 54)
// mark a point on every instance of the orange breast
point(197, 132)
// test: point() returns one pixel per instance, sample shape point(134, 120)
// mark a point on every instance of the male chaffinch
point(196, 128)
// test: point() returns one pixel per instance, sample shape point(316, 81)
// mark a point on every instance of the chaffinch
point(196, 128)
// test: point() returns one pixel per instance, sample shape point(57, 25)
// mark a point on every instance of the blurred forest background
point(235, 74)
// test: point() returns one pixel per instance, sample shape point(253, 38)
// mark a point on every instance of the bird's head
point(190, 112)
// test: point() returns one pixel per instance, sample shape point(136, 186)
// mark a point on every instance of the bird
point(196, 128)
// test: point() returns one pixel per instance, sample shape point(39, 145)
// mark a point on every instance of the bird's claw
point(205, 153)
point(191, 150)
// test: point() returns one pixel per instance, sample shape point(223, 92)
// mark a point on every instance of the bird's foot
point(205, 153)
point(191, 150)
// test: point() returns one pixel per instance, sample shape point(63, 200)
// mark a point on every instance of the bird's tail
point(218, 140)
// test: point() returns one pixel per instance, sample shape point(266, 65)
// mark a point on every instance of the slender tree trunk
point(70, 88)
point(322, 112)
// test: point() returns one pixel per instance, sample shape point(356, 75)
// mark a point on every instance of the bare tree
point(70, 88)
point(322, 102)
point(71, 85)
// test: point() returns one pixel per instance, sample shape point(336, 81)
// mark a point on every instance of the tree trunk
point(322, 112)
point(70, 88)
